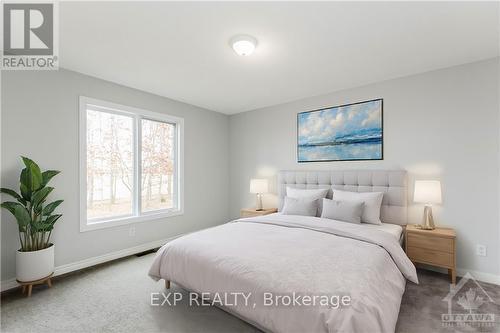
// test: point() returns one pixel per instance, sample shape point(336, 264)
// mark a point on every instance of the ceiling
point(180, 50)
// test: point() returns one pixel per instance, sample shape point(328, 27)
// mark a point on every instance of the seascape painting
point(341, 133)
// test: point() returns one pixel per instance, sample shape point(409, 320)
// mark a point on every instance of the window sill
point(89, 226)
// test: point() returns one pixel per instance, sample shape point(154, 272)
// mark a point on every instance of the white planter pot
point(34, 265)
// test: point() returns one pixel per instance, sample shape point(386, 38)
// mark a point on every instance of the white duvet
point(285, 254)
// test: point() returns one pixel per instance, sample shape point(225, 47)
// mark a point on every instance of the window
point(130, 165)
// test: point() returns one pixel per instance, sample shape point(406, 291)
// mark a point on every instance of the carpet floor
point(116, 297)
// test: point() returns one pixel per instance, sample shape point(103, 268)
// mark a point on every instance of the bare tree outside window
point(109, 164)
point(157, 152)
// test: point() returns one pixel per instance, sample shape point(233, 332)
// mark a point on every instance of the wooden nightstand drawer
point(430, 256)
point(432, 247)
point(430, 242)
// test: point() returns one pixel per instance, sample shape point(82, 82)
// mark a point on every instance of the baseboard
point(9, 284)
point(89, 262)
point(480, 276)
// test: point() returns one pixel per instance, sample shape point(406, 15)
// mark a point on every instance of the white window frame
point(137, 215)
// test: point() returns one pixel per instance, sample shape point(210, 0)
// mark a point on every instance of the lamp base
point(427, 219)
point(259, 202)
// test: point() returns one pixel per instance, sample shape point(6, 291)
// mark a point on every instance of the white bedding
point(393, 229)
point(284, 254)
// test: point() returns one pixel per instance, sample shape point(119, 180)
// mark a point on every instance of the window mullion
point(137, 166)
point(176, 167)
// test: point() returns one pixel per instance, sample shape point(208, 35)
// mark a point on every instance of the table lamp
point(427, 192)
point(259, 186)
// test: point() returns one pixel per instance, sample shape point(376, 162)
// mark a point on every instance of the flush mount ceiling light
point(243, 45)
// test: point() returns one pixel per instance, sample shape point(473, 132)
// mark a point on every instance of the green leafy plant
point(34, 218)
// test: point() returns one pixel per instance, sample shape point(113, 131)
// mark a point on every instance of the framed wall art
point(350, 132)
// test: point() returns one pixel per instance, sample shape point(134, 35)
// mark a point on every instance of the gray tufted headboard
point(392, 182)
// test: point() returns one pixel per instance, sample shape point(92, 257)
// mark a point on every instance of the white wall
point(439, 125)
point(442, 124)
point(40, 120)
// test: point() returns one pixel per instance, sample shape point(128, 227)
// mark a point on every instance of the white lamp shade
point(427, 191)
point(259, 186)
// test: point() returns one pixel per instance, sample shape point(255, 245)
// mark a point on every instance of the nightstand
point(432, 247)
point(251, 212)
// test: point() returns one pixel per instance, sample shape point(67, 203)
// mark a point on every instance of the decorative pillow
point(346, 211)
point(372, 200)
point(304, 207)
point(311, 194)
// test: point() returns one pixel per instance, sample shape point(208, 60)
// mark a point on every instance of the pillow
point(346, 211)
point(311, 194)
point(372, 200)
point(304, 207)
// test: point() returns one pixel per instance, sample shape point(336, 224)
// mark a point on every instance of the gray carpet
point(115, 297)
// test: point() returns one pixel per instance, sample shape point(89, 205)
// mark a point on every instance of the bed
point(277, 257)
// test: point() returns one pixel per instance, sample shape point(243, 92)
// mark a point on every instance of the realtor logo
point(29, 36)
point(466, 305)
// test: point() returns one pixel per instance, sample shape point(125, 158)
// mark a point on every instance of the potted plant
point(35, 221)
